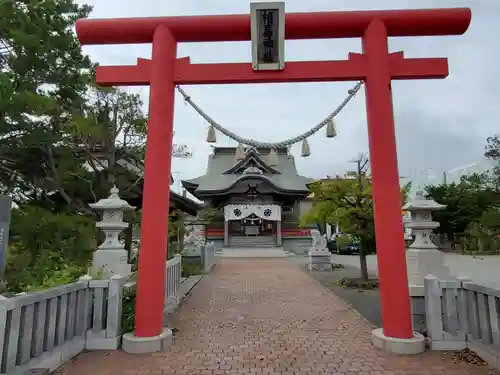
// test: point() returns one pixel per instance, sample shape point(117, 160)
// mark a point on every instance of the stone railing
point(47, 328)
point(173, 279)
point(207, 252)
point(461, 314)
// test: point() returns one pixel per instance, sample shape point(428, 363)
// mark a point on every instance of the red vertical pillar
point(156, 193)
point(394, 293)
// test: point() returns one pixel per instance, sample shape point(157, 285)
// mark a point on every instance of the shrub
point(128, 310)
point(190, 269)
point(357, 283)
point(47, 249)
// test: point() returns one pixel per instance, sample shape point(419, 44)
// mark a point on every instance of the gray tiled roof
point(216, 181)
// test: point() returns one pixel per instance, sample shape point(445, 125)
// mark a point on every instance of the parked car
point(331, 244)
point(349, 248)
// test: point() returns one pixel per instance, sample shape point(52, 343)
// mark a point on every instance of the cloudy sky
point(440, 124)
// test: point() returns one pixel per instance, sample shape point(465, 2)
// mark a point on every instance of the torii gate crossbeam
point(376, 66)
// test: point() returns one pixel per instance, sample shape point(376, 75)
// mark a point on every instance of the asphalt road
point(481, 269)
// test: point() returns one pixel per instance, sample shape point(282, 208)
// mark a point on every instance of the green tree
point(61, 137)
point(465, 203)
point(347, 201)
point(344, 202)
point(484, 232)
point(58, 131)
point(110, 131)
point(43, 79)
point(492, 152)
point(342, 240)
point(492, 149)
point(472, 205)
point(47, 249)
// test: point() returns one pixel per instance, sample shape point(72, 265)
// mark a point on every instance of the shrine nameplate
point(268, 35)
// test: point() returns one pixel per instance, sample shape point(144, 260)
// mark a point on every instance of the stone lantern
point(423, 258)
point(111, 258)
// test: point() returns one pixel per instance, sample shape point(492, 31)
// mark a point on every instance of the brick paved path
point(267, 317)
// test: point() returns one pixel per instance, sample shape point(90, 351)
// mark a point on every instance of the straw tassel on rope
point(211, 136)
point(331, 131)
point(240, 152)
point(306, 151)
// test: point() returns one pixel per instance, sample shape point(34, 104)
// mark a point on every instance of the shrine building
point(257, 196)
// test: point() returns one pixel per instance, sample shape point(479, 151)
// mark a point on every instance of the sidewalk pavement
point(266, 316)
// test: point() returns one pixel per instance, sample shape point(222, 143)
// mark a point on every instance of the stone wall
point(297, 245)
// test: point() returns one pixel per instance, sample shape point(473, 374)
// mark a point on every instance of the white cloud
point(440, 124)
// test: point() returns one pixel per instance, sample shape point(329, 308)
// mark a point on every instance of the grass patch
point(336, 266)
point(357, 283)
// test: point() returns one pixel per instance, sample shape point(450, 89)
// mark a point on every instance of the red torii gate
point(376, 66)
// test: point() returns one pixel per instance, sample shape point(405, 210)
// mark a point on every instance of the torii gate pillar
point(376, 66)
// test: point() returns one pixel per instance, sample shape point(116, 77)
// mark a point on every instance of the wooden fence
point(47, 328)
point(461, 314)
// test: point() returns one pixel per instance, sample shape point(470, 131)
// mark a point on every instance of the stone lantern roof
point(113, 202)
point(421, 203)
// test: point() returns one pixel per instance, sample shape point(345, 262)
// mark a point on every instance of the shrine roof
point(224, 171)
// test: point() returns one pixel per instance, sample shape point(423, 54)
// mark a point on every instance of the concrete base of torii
point(415, 345)
point(141, 345)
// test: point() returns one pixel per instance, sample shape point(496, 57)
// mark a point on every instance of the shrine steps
point(252, 241)
point(255, 252)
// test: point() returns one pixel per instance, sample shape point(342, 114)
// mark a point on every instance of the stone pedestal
point(319, 256)
point(319, 261)
point(423, 257)
point(421, 263)
point(111, 262)
point(111, 258)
